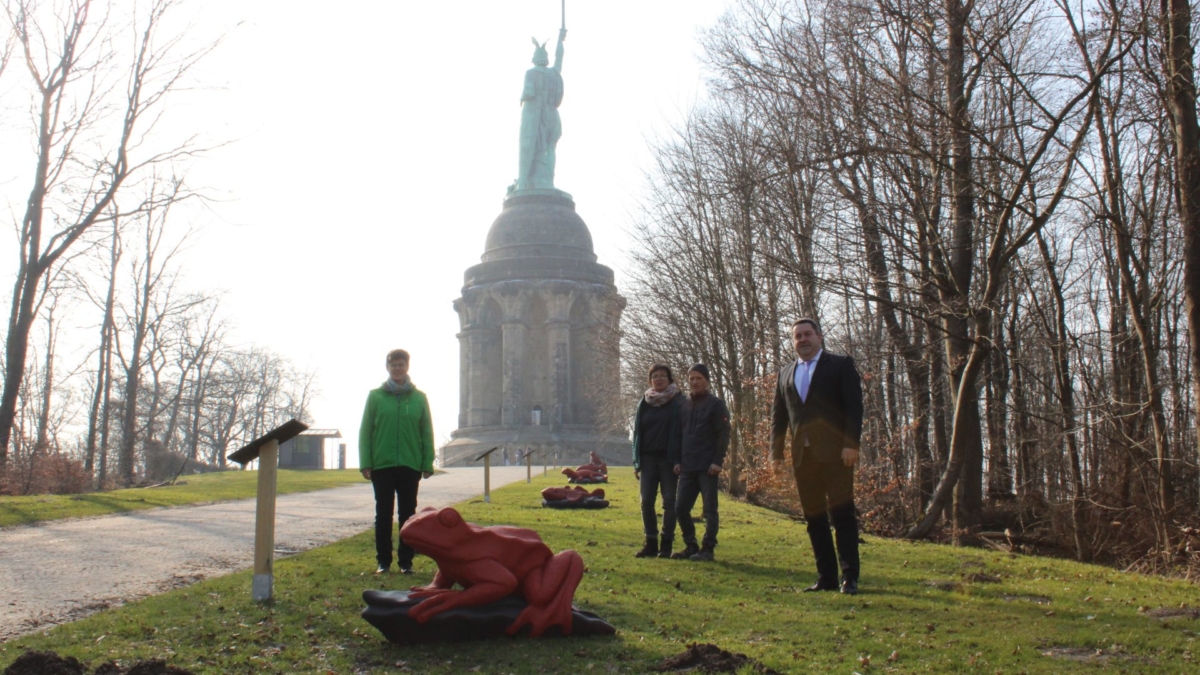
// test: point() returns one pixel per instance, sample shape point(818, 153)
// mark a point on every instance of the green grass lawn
point(195, 489)
point(923, 608)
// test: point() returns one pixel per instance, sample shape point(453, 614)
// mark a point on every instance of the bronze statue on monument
point(541, 126)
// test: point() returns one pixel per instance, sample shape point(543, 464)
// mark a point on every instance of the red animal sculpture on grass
point(582, 475)
point(571, 494)
point(491, 563)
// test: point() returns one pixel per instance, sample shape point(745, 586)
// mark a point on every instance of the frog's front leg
point(484, 581)
point(441, 583)
point(549, 591)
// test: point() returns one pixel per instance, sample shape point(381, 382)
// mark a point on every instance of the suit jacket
point(831, 418)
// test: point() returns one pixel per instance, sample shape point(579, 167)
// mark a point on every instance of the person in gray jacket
point(705, 440)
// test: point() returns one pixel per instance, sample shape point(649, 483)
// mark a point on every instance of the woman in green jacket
point(395, 450)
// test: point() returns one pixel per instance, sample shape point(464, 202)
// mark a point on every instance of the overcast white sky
point(373, 145)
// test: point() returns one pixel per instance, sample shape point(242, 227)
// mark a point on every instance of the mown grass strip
point(196, 489)
point(937, 609)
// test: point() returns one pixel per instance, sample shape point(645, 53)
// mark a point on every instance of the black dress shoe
point(820, 586)
point(849, 587)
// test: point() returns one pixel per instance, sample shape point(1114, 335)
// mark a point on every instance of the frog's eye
point(449, 517)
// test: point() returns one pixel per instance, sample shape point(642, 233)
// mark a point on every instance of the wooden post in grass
point(487, 473)
point(528, 468)
point(266, 450)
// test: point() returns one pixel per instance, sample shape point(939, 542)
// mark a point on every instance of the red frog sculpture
point(571, 494)
point(491, 563)
point(582, 475)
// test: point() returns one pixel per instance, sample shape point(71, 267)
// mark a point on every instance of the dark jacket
point(831, 418)
point(674, 436)
point(705, 425)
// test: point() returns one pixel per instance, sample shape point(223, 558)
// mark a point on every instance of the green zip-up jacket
point(396, 431)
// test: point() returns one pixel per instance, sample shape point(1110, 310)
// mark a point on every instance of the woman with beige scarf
point(656, 444)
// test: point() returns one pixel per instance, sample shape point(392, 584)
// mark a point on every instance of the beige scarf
point(658, 398)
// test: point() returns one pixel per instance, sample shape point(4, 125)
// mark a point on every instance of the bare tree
point(92, 109)
point(1180, 95)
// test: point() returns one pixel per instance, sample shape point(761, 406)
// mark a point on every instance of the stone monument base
point(569, 446)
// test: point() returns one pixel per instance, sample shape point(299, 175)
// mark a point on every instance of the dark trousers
point(827, 493)
point(395, 487)
point(658, 475)
point(691, 485)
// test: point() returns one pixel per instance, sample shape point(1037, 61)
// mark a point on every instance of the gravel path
point(65, 570)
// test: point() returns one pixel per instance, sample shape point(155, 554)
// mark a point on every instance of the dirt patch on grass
point(709, 658)
point(982, 578)
point(1164, 613)
point(49, 663)
point(1092, 655)
point(941, 584)
point(1037, 599)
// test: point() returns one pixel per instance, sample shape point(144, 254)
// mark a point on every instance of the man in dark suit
point(819, 399)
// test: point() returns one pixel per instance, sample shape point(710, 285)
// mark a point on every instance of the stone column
point(558, 344)
point(464, 380)
point(513, 354)
point(472, 378)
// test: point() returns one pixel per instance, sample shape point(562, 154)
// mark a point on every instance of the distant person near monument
point(395, 450)
point(819, 400)
point(541, 126)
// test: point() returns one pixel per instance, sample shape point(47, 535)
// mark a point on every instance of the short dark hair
point(397, 355)
point(812, 322)
point(664, 368)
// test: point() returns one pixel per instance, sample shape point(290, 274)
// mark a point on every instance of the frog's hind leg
point(548, 592)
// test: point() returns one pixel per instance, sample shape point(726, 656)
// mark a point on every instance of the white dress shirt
point(809, 365)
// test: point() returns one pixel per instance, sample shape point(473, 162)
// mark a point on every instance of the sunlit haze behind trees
point(365, 151)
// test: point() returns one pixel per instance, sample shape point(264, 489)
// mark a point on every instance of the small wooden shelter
point(306, 450)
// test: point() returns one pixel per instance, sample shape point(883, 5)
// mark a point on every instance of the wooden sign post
point(266, 450)
point(487, 473)
point(528, 468)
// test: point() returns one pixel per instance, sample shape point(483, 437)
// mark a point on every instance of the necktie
point(804, 379)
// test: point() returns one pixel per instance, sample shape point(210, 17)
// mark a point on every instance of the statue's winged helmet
point(540, 56)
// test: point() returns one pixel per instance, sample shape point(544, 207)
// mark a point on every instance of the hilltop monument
point(539, 316)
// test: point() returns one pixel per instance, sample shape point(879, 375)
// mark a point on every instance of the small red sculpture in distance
point(491, 563)
point(572, 494)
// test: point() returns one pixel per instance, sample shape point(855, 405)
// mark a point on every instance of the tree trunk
point(964, 471)
point(1059, 344)
point(42, 444)
point(104, 358)
point(1181, 102)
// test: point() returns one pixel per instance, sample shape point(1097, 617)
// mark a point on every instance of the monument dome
point(538, 236)
point(534, 225)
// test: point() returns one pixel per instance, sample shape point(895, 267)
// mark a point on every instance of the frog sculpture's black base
point(388, 612)
point(585, 503)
